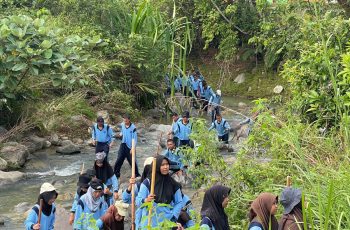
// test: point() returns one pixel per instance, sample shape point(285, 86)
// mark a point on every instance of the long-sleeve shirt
point(83, 214)
point(161, 213)
point(128, 134)
point(175, 157)
point(195, 84)
point(126, 197)
point(104, 135)
point(75, 202)
point(174, 126)
point(221, 128)
point(215, 100)
point(46, 222)
point(207, 93)
point(183, 131)
point(178, 83)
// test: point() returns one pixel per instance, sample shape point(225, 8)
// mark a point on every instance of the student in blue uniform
point(174, 156)
point(83, 185)
point(222, 127)
point(213, 208)
point(206, 93)
point(128, 133)
point(195, 86)
point(178, 83)
point(90, 206)
point(105, 173)
point(176, 119)
point(166, 191)
point(48, 194)
point(102, 136)
point(214, 103)
point(183, 130)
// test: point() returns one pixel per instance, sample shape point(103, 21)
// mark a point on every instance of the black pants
point(102, 147)
point(224, 138)
point(124, 152)
point(176, 141)
point(214, 112)
point(205, 104)
point(184, 143)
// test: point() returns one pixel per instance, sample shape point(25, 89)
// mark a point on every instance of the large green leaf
point(19, 66)
point(48, 53)
point(46, 44)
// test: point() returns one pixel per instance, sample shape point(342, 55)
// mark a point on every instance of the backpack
point(93, 127)
point(206, 220)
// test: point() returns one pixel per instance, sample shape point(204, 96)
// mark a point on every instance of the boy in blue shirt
point(183, 129)
point(222, 128)
point(176, 119)
point(127, 134)
point(214, 103)
point(206, 94)
point(102, 136)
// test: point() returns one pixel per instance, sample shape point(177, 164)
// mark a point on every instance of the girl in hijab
point(48, 194)
point(166, 191)
point(292, 218)
point(83, 185)
point(114, 217)
point(212, 212)
point(262, 212)
point(105, 173)
point(90, 206)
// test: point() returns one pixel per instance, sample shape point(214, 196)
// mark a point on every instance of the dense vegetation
point(114, 53)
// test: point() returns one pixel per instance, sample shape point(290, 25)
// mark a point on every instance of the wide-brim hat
point(289, 198)
point(47, 187)
point(122, 207)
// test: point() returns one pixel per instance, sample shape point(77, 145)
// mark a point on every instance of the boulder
point(3, 164)
point(15, 155)
point(78, 141)
point(160, 128)
point(64, 138)
point(30, 146)
point(47, 144)
point(68, 149)
point(38, 142)
point(155, 113)
point(66, 142)
point(55, 140)
point(278, 89)
point(10, 177)
point(240, 78)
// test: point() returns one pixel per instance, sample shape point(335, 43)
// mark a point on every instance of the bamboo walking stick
point(289, 181)
point(82, 169)
point(40, 210)
point(133, 160)
point(152, 191)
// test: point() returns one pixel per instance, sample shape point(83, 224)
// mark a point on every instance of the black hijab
point(105, 172)
point(212, 206)
point(165, 186)
point(46, 196)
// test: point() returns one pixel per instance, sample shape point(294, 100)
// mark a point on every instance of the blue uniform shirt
point(183, 131)
point(215, 100)
point(221, 128)
point(195, 84)
point(207, 93)
point(128, 134)
point(104, 135)
point(174, 156)
point(46, 222)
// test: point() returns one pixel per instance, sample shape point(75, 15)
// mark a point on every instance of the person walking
point(102, 136)
point(127, 134)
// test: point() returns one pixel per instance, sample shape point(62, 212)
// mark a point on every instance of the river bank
point(46, 165)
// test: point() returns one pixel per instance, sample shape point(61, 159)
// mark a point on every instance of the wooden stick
point(40, 210)
point(152, 191)
point(133, 160)
point(82, 169)
point(289, 181)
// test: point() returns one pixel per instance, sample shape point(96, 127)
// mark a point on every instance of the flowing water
point(63, 171)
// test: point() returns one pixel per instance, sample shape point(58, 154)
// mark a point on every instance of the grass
point(258, 83)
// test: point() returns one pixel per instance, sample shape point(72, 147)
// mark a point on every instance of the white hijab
point(92, 202)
